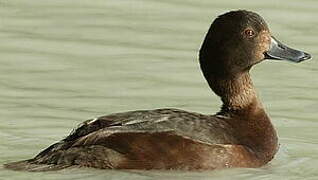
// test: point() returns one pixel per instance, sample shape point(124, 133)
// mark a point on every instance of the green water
point(63, 62)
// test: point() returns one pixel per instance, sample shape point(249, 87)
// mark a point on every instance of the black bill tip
point(305, 57)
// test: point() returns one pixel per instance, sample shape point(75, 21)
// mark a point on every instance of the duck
point(239, 135)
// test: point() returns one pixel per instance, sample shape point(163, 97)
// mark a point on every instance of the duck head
point(237, 40)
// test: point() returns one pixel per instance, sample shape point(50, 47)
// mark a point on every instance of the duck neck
point(236, 92)
point(251, 125)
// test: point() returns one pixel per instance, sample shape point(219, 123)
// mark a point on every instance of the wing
point(130, 118)
point(207, 128)
point(123, 139)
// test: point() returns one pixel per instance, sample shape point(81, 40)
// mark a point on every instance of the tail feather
point(30, 165)
point(52, 160)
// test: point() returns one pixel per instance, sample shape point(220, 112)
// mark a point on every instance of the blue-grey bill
point(282, 52)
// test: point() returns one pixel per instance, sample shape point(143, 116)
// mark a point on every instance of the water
point(63, 62)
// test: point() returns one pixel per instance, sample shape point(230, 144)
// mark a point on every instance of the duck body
point(239, 135)
point(153, 139)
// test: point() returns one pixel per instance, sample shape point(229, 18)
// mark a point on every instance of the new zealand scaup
point(240, 135)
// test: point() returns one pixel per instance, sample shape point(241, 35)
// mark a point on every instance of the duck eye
point(249, 33)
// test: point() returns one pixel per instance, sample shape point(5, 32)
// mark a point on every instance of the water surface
point(63, 62)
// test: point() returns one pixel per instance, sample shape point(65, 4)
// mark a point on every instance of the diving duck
point(239, 135)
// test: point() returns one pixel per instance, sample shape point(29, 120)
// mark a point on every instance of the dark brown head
point(236, 41)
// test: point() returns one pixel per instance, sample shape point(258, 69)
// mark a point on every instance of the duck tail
point(31, 165)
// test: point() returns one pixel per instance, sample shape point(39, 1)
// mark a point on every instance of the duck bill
point(280, 51)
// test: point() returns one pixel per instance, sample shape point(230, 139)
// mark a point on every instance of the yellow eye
point(249, 32)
